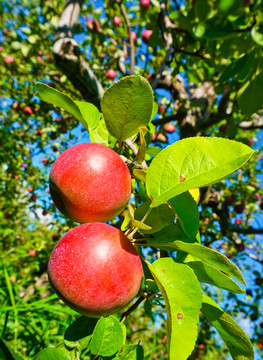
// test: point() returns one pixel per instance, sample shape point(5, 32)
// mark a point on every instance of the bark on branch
point(68, 57)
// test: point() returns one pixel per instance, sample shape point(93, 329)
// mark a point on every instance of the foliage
point(207, 82)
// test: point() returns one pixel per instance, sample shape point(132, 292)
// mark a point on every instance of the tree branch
point(68, 58)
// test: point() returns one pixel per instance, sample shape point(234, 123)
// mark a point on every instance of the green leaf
point(210, 275)
point(7, 353)
point(139, 174)
point(158, 218)
point(257, 34)
point(53, 354)
point(90, 114)
point(108, 337)
point(187, 211)
point(209, 256)
point(235, 338)
point(126, 106)
point(55, 97)
point(129, 352)
point(154, 110)
point(179, 286)
point(249, 100)
point(101, 135)
point(79, 333)
point(192, 163)
point(153, 150)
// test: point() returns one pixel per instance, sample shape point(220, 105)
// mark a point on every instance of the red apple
point(134, 36)
point(28, 110)
point(32, 252)
point(110, 74)
point(90, 183)
point(162, 138)
point(9, 59)
point(93, 25)
point(45, 161)
point(5, 31)
point(169, 128)
point(145, 4)
point(95, 269)
point(29, 189)
point(116, 20)
point(146, 34)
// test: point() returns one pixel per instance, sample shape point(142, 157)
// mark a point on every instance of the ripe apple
point(110, 74)
point(90, 183)
point(9, 59)
point(28, 110)
point(95, 269)
point(93, 25)
point(162, 138)
point(116, 20)
point(169, 128)
point(134, 36)
point(145, 4)
point(146, 34)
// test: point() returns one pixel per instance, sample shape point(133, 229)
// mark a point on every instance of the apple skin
point(146, 34)
point(95, 269)
point(110, 74)
point(90, 182)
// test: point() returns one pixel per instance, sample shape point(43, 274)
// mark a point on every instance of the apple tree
point(174, 89)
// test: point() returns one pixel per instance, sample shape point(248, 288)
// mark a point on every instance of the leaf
point(209, 256)
point(210, 275)
point(158, 218)
point(249, 100)
point(108, 337)
point(235, 338)
point(90, 114)
point(101, 135)
point(140, 174)
point(79, 333)
point(142, 146)
point(257, 34)
point(179, 286)
point(55, 97)
point(7, 353)
point(129, 352)
point(53, 354)
point(153, 150)
point(154, 110)
point(187, 212)
point(191, 163)
point(141, 225)
point(126, 106)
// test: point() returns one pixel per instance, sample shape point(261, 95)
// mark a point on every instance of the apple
point(146, 34)
point(32, 252)
point(145, 4)
point(110, 74)
point(90, 182)
point(95, 269)
point(45, 161)
point(93, 25)
point(169, 128)
point(29, 189)
point(9, 59)
point(134, 36)
point(116, 20)
point(28, 110)
point(5, 31)
point(162, 138)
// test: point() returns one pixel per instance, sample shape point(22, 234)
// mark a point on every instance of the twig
point(132, 308)
point(128, 24)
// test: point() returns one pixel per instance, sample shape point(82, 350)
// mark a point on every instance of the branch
point(169, 42)
point(246, 231)
point(133, 307)
point(128, 24)
point(256, 123)
point(68, 58)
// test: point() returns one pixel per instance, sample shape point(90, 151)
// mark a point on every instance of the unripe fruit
point(90, 183)
point(146, 34)
point(95, 269)
point(116, 20)
point(110, 74)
